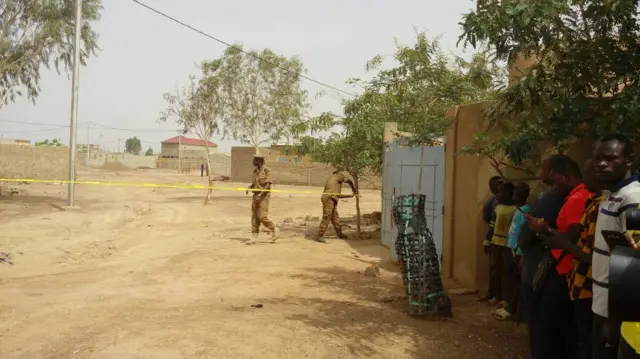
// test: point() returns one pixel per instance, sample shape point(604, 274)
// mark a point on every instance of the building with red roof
point(186, 147)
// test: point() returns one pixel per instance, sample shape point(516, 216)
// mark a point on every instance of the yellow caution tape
point(159, 185)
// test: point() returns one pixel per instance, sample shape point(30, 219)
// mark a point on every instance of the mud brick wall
point(220, 164)
point(48, 163)
point(98, 159)
point(293, 173)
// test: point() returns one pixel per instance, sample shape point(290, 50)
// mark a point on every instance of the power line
point(240, 49)
point(102, 127)
point(106, 127)
point(38, 130)
point(35, 123)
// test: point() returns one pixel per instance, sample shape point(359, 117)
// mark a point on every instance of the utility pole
point(179, 149)
point(88, 147)
point(74, 106)
point(119, 145)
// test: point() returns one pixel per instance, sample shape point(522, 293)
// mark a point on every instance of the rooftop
point(188, 141)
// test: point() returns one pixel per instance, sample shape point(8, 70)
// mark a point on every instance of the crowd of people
point(549, 262)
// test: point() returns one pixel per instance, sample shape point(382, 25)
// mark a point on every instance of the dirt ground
point(152, 273)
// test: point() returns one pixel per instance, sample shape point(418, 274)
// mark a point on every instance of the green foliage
point(416, 94)
point(34, 33)
point(133, 145)
point(149, 152)
point(261, 93)
point(585, 81)
point(50, 143)
point(196, 107)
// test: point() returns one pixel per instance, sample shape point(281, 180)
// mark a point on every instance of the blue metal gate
point(401, 175)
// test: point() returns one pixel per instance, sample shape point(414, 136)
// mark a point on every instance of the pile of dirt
point(114, 166)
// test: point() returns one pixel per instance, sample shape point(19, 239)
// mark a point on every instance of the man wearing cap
point(329, 199)
point(261, 186)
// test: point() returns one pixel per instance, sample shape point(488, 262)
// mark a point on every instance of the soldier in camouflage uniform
point(262, 180)
point(329, 199)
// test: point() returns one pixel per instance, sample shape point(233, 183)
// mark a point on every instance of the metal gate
point(401, 175)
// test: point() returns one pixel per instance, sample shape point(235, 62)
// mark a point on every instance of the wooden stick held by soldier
point(329, 199)
point(261, 188)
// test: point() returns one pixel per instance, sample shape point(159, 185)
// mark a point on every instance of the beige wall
point(466, 190)
point(220, 164)
point(289, 157)
point(98, 159)
point(48, 163)
point(519, 67)
point(296, 173)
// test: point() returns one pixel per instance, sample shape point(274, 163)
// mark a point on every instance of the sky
point(144, 55)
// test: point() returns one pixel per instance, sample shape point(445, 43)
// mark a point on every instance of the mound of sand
point(115, 166)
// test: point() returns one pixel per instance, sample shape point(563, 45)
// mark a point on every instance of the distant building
point(92, 148)
point(186, 148)
point(10, 141)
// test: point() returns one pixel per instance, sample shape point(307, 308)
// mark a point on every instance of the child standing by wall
point(520, 196)
point(497, 248)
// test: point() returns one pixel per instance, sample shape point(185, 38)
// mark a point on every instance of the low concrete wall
point(47, 163)
point(220, 164)
point(294, 173)
point(98, 159)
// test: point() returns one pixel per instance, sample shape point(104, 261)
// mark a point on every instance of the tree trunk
point(209, 177)
point(355, 178)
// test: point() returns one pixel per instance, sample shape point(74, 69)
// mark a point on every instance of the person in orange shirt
point(566, 177)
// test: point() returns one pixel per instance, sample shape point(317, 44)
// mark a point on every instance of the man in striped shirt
point(613, 158)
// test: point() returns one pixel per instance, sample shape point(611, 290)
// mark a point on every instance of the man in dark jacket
point(538, 302)
point(487, 213)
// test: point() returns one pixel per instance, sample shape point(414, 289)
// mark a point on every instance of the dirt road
point(152, 273)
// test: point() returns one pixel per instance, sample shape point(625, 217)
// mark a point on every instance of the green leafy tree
point(197, 108)
point(50, 143)
point(425, 84)
point(133, 145)
point(261, 94)
point(416, 94)
point(149, 152)
point(584, 81)
point(34, 33)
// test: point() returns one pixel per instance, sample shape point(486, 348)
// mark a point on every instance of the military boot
point(275, 233)
point(253, 240)
point(320, 238)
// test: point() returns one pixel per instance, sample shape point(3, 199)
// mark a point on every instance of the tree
point(50, 143)
point(425, 84)
point(585, 81)
point(34, 33)
point(133, 145)
point(261, 94)
point(416, 94)
point(197, 108)
point(149, 152)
